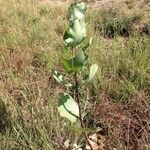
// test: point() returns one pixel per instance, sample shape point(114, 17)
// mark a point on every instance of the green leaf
point(85, 47)
point(92, 72)
point(76, 63)
point(79, 60)
point(67, 107)
point(76, 32)
point(57, 76)
point(76, 11)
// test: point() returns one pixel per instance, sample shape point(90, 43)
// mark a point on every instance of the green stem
point(77, 98)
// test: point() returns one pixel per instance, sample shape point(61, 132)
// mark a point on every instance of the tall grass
point(30, 33)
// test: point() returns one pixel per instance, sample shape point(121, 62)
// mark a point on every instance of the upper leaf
point(76, 32)
point(76, 11)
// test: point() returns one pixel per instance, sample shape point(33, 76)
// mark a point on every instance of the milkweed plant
point(74, 62)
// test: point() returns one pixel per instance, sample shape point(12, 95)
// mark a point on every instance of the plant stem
point(77, 98)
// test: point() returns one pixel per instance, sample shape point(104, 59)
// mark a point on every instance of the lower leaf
point(67, 107)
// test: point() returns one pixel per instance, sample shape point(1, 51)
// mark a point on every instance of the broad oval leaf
point(76, 63)
point(76, 32)
point(67, 107)
point(92, 72)
point(76, 11)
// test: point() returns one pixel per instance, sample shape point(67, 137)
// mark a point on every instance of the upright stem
point(77, 98)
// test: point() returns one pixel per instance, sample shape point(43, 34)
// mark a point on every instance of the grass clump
point(4, 119)
point(109, 23)
point(124, 67)
point(41, 60)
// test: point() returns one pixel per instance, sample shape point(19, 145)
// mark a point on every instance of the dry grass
point(30, 34)
point(126, 125)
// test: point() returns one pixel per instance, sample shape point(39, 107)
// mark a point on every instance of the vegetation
point(74, 61)
point(115, 104)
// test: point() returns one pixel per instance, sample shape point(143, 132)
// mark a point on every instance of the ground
point(117, 101)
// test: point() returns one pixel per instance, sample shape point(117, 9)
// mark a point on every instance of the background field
point(117, 101)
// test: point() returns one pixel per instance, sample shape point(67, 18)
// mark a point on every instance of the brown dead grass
point(126, 125)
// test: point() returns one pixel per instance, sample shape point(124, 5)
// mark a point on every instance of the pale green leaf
point(92, 72)
point(57, 76)
point(67, 107)
point(76, 32)
point(76, 11)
